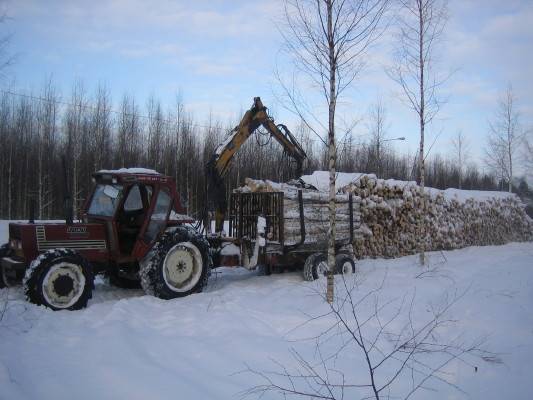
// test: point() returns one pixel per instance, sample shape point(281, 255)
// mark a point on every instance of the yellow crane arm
point(220, 161)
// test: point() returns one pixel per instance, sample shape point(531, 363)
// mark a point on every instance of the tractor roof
point(136, 171)
point(130, 175)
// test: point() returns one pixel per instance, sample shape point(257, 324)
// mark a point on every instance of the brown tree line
point(86, 129)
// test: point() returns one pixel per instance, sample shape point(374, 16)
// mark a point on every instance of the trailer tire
point(4, 251)
point(344, 265)
point(308, 267)
point(178, 265)
point(314, 266)
point(59, 279)
point(320, 266)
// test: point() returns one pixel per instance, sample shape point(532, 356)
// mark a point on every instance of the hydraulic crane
point(220, 161)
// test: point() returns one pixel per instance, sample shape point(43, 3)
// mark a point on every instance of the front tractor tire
point(178, 265)
point(59, 279)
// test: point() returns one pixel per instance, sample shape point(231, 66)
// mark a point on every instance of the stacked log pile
point(395, 218)
point(401, 219)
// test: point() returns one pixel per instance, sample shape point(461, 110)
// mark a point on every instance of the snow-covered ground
point(126, 345)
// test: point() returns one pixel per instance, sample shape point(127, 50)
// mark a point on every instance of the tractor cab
point(136, 206)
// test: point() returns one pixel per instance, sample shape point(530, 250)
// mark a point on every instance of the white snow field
point(127, 345)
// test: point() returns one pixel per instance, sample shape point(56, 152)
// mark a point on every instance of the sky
point(219, 54)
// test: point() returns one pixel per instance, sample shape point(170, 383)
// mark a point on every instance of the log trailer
point(133, 229)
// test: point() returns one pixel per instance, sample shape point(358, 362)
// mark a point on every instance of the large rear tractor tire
point(59, 279)
point(178, 265)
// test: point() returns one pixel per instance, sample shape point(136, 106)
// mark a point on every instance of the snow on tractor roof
point(144, 171)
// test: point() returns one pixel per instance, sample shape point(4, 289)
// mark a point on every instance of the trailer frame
point(246, 207)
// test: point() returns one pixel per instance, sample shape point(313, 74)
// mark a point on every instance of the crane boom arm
point(220, 161)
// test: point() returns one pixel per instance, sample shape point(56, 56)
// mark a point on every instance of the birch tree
point(377, 130)
point(128, 133)
point(504, 139)
point(100, 122)
point(327, 40)
point(420, 27)
point(75, 139)
point(461, 152)
point(45, 140)
point(528, 155)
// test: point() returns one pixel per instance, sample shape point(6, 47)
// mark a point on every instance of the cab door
point(155, 223)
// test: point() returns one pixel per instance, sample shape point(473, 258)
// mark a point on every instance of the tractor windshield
point(105, 200)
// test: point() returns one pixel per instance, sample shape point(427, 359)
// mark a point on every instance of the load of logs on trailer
point(395, 218)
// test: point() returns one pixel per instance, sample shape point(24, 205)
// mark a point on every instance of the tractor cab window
point(158, 220)
point(133, 201)
point(105, 200)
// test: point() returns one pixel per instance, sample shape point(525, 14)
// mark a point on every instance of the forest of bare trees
point(93, 131)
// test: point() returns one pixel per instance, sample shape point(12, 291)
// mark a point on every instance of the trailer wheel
point(4, 251)
point(308, 267)
point(344, 264)
point(321, 266)
point(316, 266)
point(59, 279)
point(178, 265)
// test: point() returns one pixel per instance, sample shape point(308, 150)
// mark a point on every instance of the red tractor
point(132, 229)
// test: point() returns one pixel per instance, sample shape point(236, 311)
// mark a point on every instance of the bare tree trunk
point(460, 145)
point(510, 154)
point(9, 180)
point(422, 126)
point(40, 183)
point(331, 155)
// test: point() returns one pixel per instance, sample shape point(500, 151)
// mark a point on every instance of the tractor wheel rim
point(347, 268)
point(63, 285)
point(322, 268)
point(182, 267)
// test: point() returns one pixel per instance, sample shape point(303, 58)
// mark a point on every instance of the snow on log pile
point(390, 217)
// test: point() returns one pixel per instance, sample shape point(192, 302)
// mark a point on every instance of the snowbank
point(127, 345)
